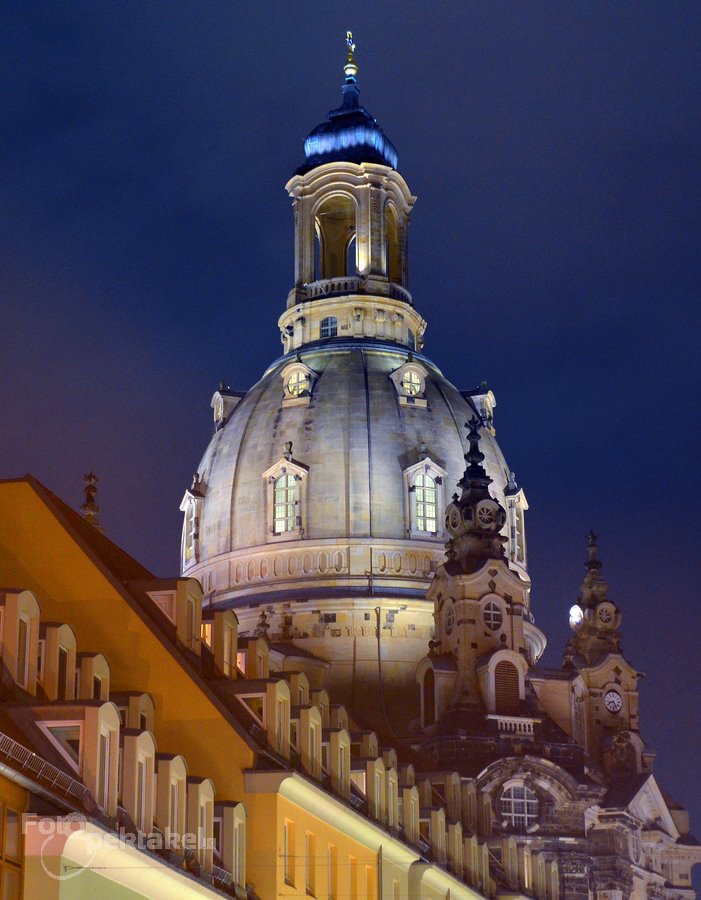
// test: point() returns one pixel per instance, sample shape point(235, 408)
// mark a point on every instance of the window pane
point(11, 843)
point(10, 883)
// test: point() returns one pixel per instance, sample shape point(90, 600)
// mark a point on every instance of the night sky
point(146, 253)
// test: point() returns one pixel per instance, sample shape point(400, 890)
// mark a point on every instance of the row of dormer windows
point(107, 738)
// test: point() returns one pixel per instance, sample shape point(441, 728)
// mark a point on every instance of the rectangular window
point(41, 659)
point(378, 795)
point(103, 771)
point(239, 853)
point(141, 795)
point(206, 633)
point(174, 806)
point(288, 852)
point(10, 883)
point(218, 825)
point(313, 751)
point(190, 626)
point(96, 688)
point(332, 866)
point(228, 650)
point(241, 661)
point(370, 883)
point(342, 769)
point(353, 875)
point(62, 685)
point(309, 863)
point(23, 652)
point(11, 834)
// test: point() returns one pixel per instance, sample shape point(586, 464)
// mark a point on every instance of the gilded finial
point(350, 68)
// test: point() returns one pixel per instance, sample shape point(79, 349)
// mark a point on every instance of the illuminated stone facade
point(320, 513)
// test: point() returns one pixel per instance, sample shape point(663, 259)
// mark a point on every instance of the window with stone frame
point(328, 327)
point(424, 485)
point(285, 500)
point(285, 482)
point(518, 805)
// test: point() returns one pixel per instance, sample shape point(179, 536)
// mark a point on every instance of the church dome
point(318, 509)
point(357, 443)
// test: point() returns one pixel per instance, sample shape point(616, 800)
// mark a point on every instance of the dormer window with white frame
point(191, 506)
point(409, 382)
point(424, 491)
point(516, 506)
point(286, 483)
point(297, 384)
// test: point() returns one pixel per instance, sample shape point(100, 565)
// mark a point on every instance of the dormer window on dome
point(297, 384)
point(409, 382)
point(286, 483)
point(424, 491)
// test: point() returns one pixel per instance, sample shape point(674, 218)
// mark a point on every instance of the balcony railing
point(324, 287)
point(516, 725)
point(43, 772)
point(351, 284)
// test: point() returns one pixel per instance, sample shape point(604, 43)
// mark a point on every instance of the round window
point(297, 384)
point(411, 383)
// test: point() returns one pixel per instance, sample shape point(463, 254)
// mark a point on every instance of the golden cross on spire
point(350, 67)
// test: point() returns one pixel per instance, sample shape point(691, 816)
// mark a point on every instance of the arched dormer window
point(328, 327)
point(424, 486)
point(286, 486)
point(518, 806)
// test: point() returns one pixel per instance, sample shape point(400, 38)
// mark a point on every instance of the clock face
point(613, 701)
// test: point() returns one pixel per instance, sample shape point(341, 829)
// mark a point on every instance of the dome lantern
point(351, 227)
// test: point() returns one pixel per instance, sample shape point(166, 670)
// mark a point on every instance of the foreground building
point(326, 702)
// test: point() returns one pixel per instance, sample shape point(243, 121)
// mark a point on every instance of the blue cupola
point(351, 134)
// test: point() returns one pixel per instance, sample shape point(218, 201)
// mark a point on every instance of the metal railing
point(44, 773)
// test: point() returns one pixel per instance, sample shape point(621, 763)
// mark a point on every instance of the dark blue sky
point(146, 252)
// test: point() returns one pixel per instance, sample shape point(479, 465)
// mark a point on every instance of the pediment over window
point(641, 796)
point(285, 466)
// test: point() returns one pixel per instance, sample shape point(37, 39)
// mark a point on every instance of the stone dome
point(356, 441)
point(317, 511)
